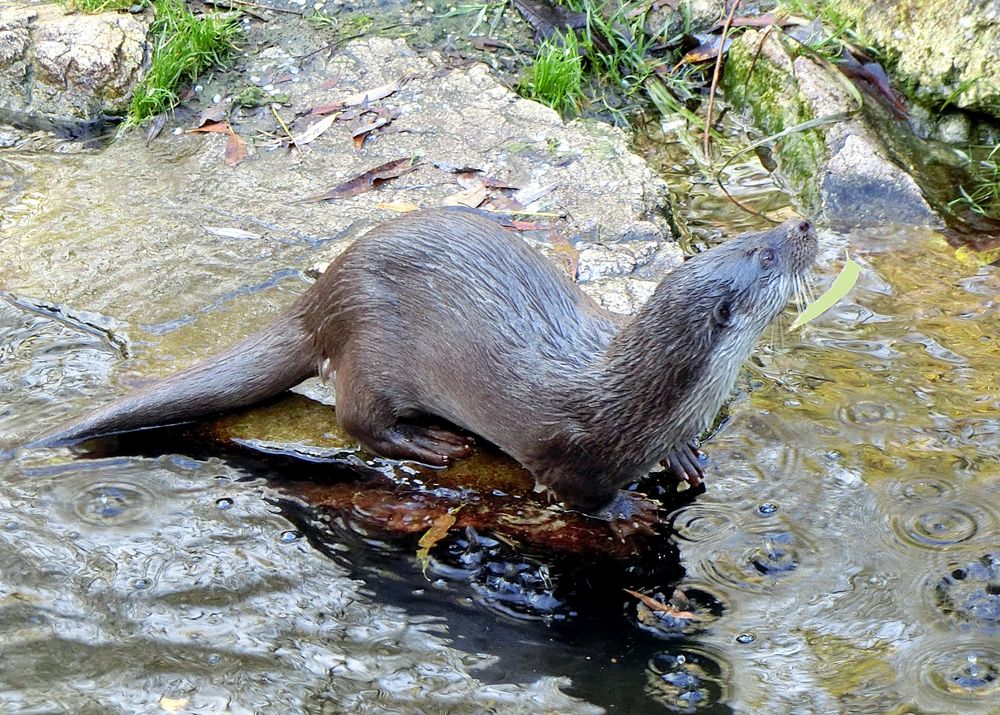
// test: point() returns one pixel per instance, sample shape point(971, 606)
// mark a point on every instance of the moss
point(771, 95)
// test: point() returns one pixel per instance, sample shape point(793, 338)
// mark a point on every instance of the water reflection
point(843, 559)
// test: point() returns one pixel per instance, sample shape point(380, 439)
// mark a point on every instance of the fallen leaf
point(313, 131)
point(398, 206)
point(439, 529)
point(361, 132)
point(213, 127)
point(567, 254)
point(841, 286)
point(368, 180)
point(708, 50)
point(370, 95)
point(156, 126)
point(227, 232)
point(213, 115)
point(471, 197)
point(661, 607)
point(530, 194)
point(236, 149)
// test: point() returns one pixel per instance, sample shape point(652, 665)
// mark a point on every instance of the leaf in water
point(841, 286)
point(368, 180)
point(661, 607)
point(439, 529)
point(314, 130)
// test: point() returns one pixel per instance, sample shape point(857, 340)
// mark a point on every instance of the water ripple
point(969, 592)
point(688, 679)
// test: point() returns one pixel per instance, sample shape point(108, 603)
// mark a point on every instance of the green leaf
point(842, 285)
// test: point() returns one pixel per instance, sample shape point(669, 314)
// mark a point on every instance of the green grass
point(94, 6)
point(983, 194)
point(556, 76)
point(184, 45)
point(618, 62)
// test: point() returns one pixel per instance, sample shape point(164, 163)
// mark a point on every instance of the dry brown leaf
point(471, 197)
point(236, 149)
point(213, 127)
point(370, 95)
point(439, 529)
point(368, 180)
point(398, 206)
point(313, 131)
point(660, 607)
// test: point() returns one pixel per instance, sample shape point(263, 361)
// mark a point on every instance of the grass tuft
point(184, 45)
point(983, 195)
point(91, 7)
point(556, 77)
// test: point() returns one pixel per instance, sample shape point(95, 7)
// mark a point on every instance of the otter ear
point(722, 313)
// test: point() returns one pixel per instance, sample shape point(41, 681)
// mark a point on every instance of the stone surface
point(69, 68)
point(946, 50)
point(842, 168)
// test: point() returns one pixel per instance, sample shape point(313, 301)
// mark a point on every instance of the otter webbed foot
point(434, 446)
point(630, 513)
point(686, 464)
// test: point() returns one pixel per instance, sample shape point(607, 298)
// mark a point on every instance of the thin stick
point(285, 127)
point(715, 80)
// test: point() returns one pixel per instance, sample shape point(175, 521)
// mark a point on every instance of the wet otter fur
point(443, 314)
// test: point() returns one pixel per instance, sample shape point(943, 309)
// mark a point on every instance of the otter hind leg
point(369, 413)
point(431, 445)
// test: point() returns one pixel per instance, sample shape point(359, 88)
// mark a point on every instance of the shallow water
point(845, 557)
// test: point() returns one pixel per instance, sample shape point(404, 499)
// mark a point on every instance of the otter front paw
point(686, 463)
point(630, 513)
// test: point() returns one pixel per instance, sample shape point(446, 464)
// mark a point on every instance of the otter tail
point(278, 357)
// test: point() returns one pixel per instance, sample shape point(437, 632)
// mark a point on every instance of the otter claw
point(629, 514)
point(686, 464)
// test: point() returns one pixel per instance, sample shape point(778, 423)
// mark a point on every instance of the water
point(845, 557)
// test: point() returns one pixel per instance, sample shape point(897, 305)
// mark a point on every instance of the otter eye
point(766, 258)
point(721, 314)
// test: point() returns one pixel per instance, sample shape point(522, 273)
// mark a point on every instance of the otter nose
point(804, 227)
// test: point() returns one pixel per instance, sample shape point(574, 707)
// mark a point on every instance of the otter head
point(750, 279)
point(706, 317)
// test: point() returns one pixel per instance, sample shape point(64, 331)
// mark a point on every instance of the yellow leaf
point(438, 530)
point(841, 286)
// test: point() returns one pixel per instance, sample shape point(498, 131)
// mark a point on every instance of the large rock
point(64, 68)
point(946, 50)
point(841, 169)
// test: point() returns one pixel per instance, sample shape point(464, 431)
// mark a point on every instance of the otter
point(444, 315)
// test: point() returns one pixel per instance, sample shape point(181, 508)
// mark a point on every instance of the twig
point(715, 80)
point(285, 127)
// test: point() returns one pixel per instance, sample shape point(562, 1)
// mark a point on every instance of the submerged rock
point(842, 168)
point(68, 69)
